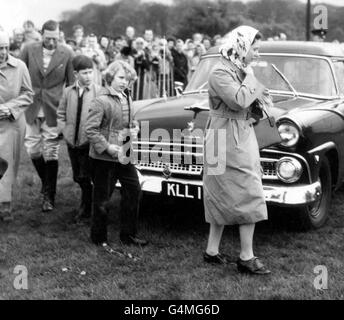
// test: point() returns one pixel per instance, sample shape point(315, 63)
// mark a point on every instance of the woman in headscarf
point(233, 191)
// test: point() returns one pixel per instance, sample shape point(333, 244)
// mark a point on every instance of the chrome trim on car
point(297, 165)
point(157, 143)
point(182, 168)
point(269, 174)
point(324, 146)
point(302, 95)
point(189, 169)
point(293, 195)
point(282, 195)
point(187, 153)
point(196, 169)
point(287, 118)
point(296, 155)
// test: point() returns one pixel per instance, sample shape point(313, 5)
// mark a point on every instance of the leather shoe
point(47, 205)
point(131, 240)
point(217, 259)
point(252, 266)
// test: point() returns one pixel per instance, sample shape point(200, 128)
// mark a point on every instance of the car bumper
point(274, 194)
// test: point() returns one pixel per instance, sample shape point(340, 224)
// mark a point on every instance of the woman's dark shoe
point(217, 259)
point(131, 240)
point(252, 266)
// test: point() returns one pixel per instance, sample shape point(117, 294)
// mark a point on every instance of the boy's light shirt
point(81, 88)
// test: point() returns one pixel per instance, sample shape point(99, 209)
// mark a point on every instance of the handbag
point(267, 132)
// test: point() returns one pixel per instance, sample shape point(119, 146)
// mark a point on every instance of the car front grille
point(185, 152)
point(183, 158)
point(193, 170)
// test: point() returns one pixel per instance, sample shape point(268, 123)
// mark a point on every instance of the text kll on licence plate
point(180, 190)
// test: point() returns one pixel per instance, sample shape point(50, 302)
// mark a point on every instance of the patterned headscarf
point(239, 40)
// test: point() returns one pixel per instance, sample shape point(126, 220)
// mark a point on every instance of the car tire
point(315, 215)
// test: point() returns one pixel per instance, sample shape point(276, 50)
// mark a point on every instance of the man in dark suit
point(50, 68)
point(180, 60)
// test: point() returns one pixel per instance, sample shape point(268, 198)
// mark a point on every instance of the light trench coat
point(15, 93)
point(233, 191)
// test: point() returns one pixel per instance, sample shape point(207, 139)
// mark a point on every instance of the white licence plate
point(180, 190)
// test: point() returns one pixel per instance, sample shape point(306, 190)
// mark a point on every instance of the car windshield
point(307, 75)
point(199, 79)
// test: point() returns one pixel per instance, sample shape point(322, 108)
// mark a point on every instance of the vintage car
point(306, 81)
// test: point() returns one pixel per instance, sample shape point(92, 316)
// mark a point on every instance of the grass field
point(171, 267)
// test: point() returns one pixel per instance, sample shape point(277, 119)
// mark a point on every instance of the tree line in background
point(183, 18)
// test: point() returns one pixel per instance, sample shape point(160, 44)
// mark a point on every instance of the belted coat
point(16, 94)
point(233, 191)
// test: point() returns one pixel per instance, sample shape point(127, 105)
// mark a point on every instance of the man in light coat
point(15, 95)
point(50, 67)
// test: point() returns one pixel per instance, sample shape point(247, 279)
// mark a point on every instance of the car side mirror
point(178, 87)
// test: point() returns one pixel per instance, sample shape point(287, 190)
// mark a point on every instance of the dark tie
point(78, 116)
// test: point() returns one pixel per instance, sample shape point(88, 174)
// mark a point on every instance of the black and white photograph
point(187, 152)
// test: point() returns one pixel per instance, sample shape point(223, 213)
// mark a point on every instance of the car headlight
point(289, 133)
point(288, 169)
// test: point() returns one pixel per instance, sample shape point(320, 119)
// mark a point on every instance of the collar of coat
point(11, 61)
point(233, 68)
point(112, 92)
point(77, 85)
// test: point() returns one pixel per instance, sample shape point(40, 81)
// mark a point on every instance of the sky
point(14, 12)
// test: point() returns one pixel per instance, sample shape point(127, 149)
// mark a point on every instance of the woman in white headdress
point(233, 191)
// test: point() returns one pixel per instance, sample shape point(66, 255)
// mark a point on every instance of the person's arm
point(61, 112)
point(70, 78)
point(16, 106)
point(134, 124)
point(232, 93)
point(94, 120)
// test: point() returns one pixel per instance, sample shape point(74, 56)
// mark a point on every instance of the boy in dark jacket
point(71, 116)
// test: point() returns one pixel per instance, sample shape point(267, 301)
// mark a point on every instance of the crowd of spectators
point(158, 61)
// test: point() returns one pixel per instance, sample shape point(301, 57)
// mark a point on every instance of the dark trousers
point(82, 173)
point(81, 164)
point(105, 176)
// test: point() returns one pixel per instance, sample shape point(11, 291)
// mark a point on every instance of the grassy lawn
point(171, 267)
